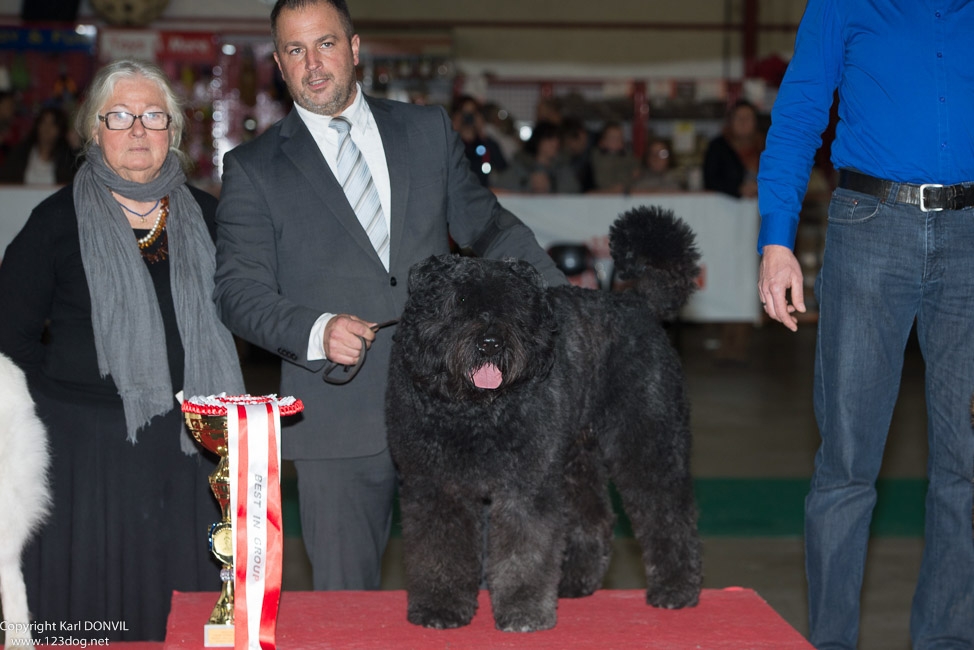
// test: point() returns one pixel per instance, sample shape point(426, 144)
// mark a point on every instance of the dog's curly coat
point(527, 399)
point(24, 491)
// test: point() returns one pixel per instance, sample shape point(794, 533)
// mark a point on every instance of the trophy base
point(217, 636)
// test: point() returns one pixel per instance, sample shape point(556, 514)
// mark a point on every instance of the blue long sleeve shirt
point(904, 70)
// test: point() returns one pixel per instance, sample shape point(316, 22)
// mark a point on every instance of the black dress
point(129, 521)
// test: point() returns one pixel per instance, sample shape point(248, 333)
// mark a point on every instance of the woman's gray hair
point(103, 86)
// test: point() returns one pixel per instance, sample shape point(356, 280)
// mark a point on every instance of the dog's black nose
point(489, 345)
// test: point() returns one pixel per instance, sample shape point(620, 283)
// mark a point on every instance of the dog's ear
point(426, 271)
point(526, 271)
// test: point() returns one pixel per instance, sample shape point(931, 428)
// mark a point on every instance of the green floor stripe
point(739, 508)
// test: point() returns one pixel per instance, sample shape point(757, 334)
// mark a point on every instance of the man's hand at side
point(779, 272)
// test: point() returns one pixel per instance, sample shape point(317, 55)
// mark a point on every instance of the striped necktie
point(356, 180)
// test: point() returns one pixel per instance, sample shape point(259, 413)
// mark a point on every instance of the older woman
point(119, 267)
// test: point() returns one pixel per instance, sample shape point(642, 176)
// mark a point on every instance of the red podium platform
point(728, 619)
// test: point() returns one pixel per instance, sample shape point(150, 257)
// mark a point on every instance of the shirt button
point(940, 55)
point(942, 100)
point(937, 14)
point(392, 281)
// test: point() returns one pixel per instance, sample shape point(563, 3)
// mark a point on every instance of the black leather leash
point(351, 371)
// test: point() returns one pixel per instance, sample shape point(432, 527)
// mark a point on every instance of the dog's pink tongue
point(487, 376)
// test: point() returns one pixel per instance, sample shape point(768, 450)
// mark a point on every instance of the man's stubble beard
point(339, 101)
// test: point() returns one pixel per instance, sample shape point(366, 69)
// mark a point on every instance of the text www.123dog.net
point(59, 634)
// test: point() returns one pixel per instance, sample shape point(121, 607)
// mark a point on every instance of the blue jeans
point(885, 265)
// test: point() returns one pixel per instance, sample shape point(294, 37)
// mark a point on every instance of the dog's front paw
point(440, 618)
point(525, 621)
point(673, 596)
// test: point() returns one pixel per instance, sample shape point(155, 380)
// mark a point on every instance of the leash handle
point(351, 371)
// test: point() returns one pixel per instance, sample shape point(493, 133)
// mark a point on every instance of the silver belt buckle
point(923, 203)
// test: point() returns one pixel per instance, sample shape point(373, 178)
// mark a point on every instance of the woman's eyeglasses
point(121, 120)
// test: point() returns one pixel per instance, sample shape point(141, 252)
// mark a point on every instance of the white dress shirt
point(365, 135)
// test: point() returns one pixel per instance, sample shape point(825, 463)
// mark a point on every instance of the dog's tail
point(658, 251)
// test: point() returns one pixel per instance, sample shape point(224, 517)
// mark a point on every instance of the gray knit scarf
point(129, 336)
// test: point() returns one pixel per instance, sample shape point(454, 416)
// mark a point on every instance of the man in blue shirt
point(899, 248)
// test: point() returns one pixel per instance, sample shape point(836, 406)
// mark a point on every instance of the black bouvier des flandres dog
point(511, 405)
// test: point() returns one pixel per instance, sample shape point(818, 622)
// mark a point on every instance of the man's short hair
point(338, 5)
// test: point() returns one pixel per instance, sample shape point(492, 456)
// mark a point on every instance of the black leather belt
point(930, 197)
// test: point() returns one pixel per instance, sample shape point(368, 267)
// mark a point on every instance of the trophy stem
point(222, 613)
point(221, 543)
point(210, 431)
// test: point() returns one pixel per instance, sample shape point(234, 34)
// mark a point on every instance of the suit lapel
point(298, 145)
point(395, 144)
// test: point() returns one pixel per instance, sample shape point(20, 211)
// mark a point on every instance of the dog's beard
point(473, 372)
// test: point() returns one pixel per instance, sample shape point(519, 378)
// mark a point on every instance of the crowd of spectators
point(563, 154)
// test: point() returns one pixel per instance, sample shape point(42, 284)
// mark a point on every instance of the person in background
point(548, 109)
point(540, 168)
point(45, 157)
point(117, 267)
point(731, 162)
point(484, 154)
point(899, 254)
point(499, 126)
point(302, 274)
point(730, 166)
point(658, 174)
point(9, 133)
point(576, 143)
point(614, 168)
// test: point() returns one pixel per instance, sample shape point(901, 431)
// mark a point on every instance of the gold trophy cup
point(211, 432)
point(208, 424)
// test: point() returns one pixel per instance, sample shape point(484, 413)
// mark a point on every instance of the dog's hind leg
point(442, 540)
point(13, 600)
point(652, 475)
point(588, 519)
point(524, 550)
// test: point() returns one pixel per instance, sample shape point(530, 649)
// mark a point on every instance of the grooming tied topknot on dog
point(23, 491)
point(521, 402)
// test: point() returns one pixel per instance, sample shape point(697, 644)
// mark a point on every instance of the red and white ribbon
point(254, 450)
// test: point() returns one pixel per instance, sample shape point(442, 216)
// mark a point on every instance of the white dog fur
point(24, 493)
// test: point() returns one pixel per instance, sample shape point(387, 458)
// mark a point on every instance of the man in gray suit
point(302, 272)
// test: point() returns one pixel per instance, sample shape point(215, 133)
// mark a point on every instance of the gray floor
point(753, 421)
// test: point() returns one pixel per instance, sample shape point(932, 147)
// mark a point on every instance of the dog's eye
point(461, 300)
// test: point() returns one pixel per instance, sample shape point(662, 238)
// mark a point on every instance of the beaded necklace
point(150, 238)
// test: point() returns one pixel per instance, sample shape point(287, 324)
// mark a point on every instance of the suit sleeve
point(479, 222)
point(246, 290)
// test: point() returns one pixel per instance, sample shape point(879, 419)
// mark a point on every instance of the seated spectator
point(9, 133)
point(576, 143)
point(731, 162)
point(613, 168)
point(658, 174)
point(731, 166)
point(499, 126)
point(45, 157)
point(540, 168)
point(548, 110)
point(484, 154)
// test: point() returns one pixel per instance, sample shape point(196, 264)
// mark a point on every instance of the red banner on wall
point(181, 47)
point(188, 47)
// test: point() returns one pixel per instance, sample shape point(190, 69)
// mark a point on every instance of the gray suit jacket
point(289, 248)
